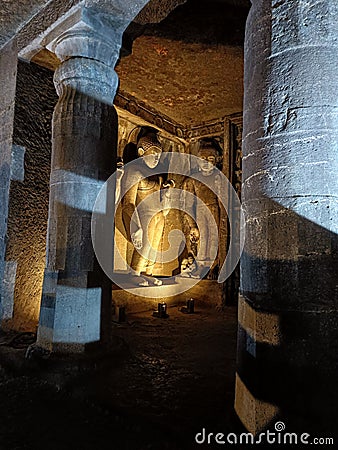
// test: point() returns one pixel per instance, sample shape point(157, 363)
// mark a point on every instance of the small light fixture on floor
point(120, 314)
point(161, 311)
point(190, 308)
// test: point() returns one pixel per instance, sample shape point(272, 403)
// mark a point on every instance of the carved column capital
point(87, 76)
point(88, 33)
point(88, 43)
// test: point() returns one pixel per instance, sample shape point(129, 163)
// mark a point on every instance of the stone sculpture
point(144, 222)
point(203, 241)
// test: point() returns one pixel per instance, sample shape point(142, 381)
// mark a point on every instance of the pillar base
point(71, 314)
point(287, 369)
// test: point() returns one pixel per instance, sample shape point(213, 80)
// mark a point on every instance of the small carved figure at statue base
point(189, 267)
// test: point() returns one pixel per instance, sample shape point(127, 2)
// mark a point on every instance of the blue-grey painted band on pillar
point(18, 163)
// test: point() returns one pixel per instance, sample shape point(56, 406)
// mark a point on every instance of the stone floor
point(164, 382)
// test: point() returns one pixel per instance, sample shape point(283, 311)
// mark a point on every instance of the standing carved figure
point(143, 220)
point(202, 235)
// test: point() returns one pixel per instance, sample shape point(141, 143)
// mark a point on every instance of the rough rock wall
point(14, 14)
point(28, 213)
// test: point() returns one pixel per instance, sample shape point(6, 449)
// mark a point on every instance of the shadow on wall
point(288, 322)
point(28, 209)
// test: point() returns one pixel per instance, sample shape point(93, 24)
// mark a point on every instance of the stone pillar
point(8, 70)
point(288, 321)
point(76, 299)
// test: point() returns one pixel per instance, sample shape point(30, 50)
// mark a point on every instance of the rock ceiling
point(188, 67)
point(13, 15)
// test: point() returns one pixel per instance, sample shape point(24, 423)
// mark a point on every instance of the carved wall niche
point(227, 132)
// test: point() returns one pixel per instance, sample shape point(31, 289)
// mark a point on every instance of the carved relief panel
point(222, 145)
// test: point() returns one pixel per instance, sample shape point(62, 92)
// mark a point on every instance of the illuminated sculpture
point(189, 268)
point(201, 235)
point(143, 223)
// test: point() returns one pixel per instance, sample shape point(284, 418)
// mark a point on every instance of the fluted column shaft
point(76, 300)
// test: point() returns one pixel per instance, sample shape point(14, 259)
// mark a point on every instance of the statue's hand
point(137, 239)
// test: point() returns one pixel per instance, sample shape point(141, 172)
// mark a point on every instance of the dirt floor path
point(166, 380)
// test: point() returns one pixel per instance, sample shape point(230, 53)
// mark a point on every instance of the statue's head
point(190, 258)
point(194, 235)
point(184, 264)
point(208, 155)
point(149, 147)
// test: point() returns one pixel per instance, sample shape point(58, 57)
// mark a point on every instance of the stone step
point(174, 291)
